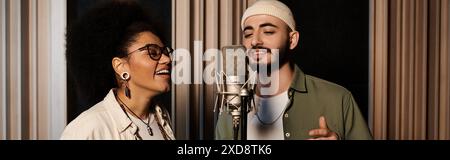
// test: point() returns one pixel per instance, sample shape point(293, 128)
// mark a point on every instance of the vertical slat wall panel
point(406, 68)
point(395, 71)
point(371, 65)
point(3, 98)
point(213, 24)
point(32, 68)
point(57, 78)
point(211, 45)
point(14, 70)
point(420, 60)
point(43, 50)
point(379, 62)
point(433, 70)
point(33, 95)
point(444, 103)
point(418, 106)
point(197, 54)
point(180, 95)
point(226, 23)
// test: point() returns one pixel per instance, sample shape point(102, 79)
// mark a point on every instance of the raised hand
point(322, 133)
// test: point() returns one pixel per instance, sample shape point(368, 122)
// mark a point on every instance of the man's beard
point(282, 57)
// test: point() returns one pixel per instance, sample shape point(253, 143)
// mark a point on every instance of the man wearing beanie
point(303, 107)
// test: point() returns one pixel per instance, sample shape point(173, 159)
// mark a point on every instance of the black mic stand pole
point(239, 118)
point(244, 111)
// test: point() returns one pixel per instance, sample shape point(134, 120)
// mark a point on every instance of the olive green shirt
point(310, 98)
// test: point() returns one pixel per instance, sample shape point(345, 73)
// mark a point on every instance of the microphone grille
point(234, 63)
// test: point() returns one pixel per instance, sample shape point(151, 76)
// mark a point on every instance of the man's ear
point(293, 39)
point(119, 65)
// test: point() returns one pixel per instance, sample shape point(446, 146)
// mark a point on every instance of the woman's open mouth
point(164, 73)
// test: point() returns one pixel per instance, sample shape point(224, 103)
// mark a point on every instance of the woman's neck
point(139, 104)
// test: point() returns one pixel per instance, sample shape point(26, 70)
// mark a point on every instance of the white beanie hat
point(272, 8)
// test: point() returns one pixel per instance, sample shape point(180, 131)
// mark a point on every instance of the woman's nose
point(165, 59)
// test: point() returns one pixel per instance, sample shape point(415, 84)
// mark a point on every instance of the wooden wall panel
point(417, 68)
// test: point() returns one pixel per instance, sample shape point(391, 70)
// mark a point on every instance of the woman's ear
point(119, 65)
point(293, 39)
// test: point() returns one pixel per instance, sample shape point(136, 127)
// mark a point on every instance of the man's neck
point(281, 80)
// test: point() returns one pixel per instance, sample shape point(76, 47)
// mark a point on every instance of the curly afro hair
point(98, 36)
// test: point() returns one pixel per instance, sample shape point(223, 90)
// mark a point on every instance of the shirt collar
point(299, 82)
point(117, 113)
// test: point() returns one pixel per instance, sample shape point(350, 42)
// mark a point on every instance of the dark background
point(334, 43)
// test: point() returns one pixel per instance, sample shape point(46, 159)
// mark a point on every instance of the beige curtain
point(213, 24)
point(410, 79)
point(32, 69)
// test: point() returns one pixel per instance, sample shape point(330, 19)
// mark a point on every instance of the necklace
point(149, 129)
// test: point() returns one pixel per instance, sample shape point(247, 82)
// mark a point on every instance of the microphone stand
point(236, 118)
point(244, 111)
point(239, 118)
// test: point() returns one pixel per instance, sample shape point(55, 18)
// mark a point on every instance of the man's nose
point(256, 41)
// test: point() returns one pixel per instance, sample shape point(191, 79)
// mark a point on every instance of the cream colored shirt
point(142, 128)
point(107, 121)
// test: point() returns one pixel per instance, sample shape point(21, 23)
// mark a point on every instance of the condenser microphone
point(234, 88)
point(234, 72)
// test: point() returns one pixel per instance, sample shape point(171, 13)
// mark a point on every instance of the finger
point(319, 132)
point(322, 123)
point(332, 137)
point(323, 138)
point(320, 138)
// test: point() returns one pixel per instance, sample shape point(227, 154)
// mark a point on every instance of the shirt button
point(288, 135)
point(290, 92)
point(286, 115)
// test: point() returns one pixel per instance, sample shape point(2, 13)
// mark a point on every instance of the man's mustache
point(254, 48)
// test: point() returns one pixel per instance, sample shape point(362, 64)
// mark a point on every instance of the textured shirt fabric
point(310, 98)
point(107, 121)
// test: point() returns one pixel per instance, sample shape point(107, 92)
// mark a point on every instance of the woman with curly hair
point(113, 50)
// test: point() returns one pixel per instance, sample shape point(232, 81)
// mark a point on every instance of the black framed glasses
point(155, 52)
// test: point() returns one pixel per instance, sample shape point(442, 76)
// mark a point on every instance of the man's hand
point(322, 133)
